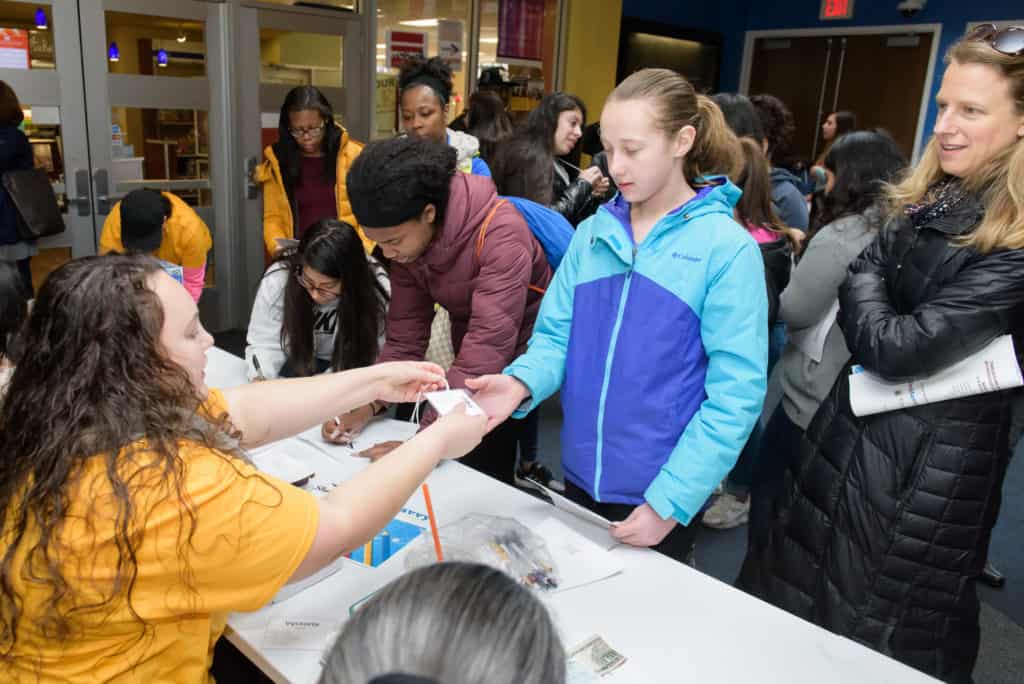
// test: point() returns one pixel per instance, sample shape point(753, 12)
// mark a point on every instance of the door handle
point(251, 187)
point(81, 199)
point(821, 99)
point(104, 200)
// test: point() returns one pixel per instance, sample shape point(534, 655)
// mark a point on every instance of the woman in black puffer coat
point(886, 521)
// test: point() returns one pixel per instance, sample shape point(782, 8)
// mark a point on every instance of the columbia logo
point(685, 257)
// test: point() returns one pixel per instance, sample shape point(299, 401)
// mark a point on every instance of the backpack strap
point(484, 226)
point(483, 234)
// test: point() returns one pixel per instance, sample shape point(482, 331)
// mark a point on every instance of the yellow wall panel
point(592, 51)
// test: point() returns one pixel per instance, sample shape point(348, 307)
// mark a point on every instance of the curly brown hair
point(778, 124)
point(93, 384)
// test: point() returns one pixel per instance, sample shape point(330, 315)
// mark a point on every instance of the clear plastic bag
point(502, 543)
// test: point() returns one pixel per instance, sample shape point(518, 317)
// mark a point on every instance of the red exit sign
point(836, 9)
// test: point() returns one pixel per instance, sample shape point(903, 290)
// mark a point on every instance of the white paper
point(299, 633)
point(569, 506)
point(811, 340)
point(277, 462)
point(578, 560)
point(991, 369)
point(384, 430)
point(376, 431)
point(449, 39)
point(446, 401)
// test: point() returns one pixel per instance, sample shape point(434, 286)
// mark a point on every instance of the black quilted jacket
point(886, 520)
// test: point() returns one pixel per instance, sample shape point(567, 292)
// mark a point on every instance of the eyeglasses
point(1009, 41)
point(332, 291)
point(314, 132)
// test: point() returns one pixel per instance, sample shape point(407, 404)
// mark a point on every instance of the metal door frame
point(62, 87)
point(105, 90)
point(907, 29)
point(357, 92)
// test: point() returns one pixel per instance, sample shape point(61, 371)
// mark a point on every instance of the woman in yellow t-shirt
point(131, 522)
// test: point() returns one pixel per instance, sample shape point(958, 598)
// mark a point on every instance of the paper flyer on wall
point(992, 369)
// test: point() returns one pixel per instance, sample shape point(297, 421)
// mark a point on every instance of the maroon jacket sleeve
point(499, 299)
point(410, 315)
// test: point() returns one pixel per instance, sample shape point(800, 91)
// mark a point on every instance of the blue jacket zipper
point(607, 376)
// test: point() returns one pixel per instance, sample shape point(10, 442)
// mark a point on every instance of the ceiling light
point(420, 23)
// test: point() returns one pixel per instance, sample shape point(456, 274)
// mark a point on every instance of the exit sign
point(836, 9)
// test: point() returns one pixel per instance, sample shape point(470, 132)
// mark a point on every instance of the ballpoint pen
point(256, 365)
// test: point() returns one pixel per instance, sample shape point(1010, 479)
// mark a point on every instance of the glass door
point(155, 94)
point(39, 60)
point(280, 47)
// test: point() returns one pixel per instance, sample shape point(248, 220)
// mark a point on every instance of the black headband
point(434, 84)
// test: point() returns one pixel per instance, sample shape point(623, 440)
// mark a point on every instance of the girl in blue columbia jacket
point(655, 324)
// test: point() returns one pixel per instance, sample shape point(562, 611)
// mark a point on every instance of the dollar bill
point(592, 659)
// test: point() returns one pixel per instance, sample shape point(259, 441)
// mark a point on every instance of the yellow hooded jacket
point(278, 221)
point(186, 238)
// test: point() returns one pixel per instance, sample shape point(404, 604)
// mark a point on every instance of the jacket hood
point(719, 196)
point(466, 145)
point(470, 199)
point(779, 175)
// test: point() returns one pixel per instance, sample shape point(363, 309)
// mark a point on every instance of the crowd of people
point(133, 522)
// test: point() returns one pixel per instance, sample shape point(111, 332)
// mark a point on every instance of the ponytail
point(716, 149)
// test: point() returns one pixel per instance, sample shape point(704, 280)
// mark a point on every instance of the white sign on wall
point(449, 42)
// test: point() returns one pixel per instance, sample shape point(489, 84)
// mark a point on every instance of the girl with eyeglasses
point(321, 306)
point(303, 173)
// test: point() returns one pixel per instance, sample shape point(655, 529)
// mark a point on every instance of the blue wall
point(727, 17)
point(732, 18)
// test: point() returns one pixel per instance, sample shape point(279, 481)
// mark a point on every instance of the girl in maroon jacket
point(453, 242)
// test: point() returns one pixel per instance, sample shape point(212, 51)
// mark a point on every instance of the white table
point(673, 623)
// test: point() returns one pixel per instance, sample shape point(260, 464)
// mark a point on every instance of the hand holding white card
point(446, 401)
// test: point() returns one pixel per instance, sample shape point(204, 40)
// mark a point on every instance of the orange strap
point(483, 234)
point(483, 229)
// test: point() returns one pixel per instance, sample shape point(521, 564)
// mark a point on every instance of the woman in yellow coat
point(303, 174)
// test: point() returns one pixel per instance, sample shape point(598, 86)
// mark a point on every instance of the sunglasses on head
point(1009, 41)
